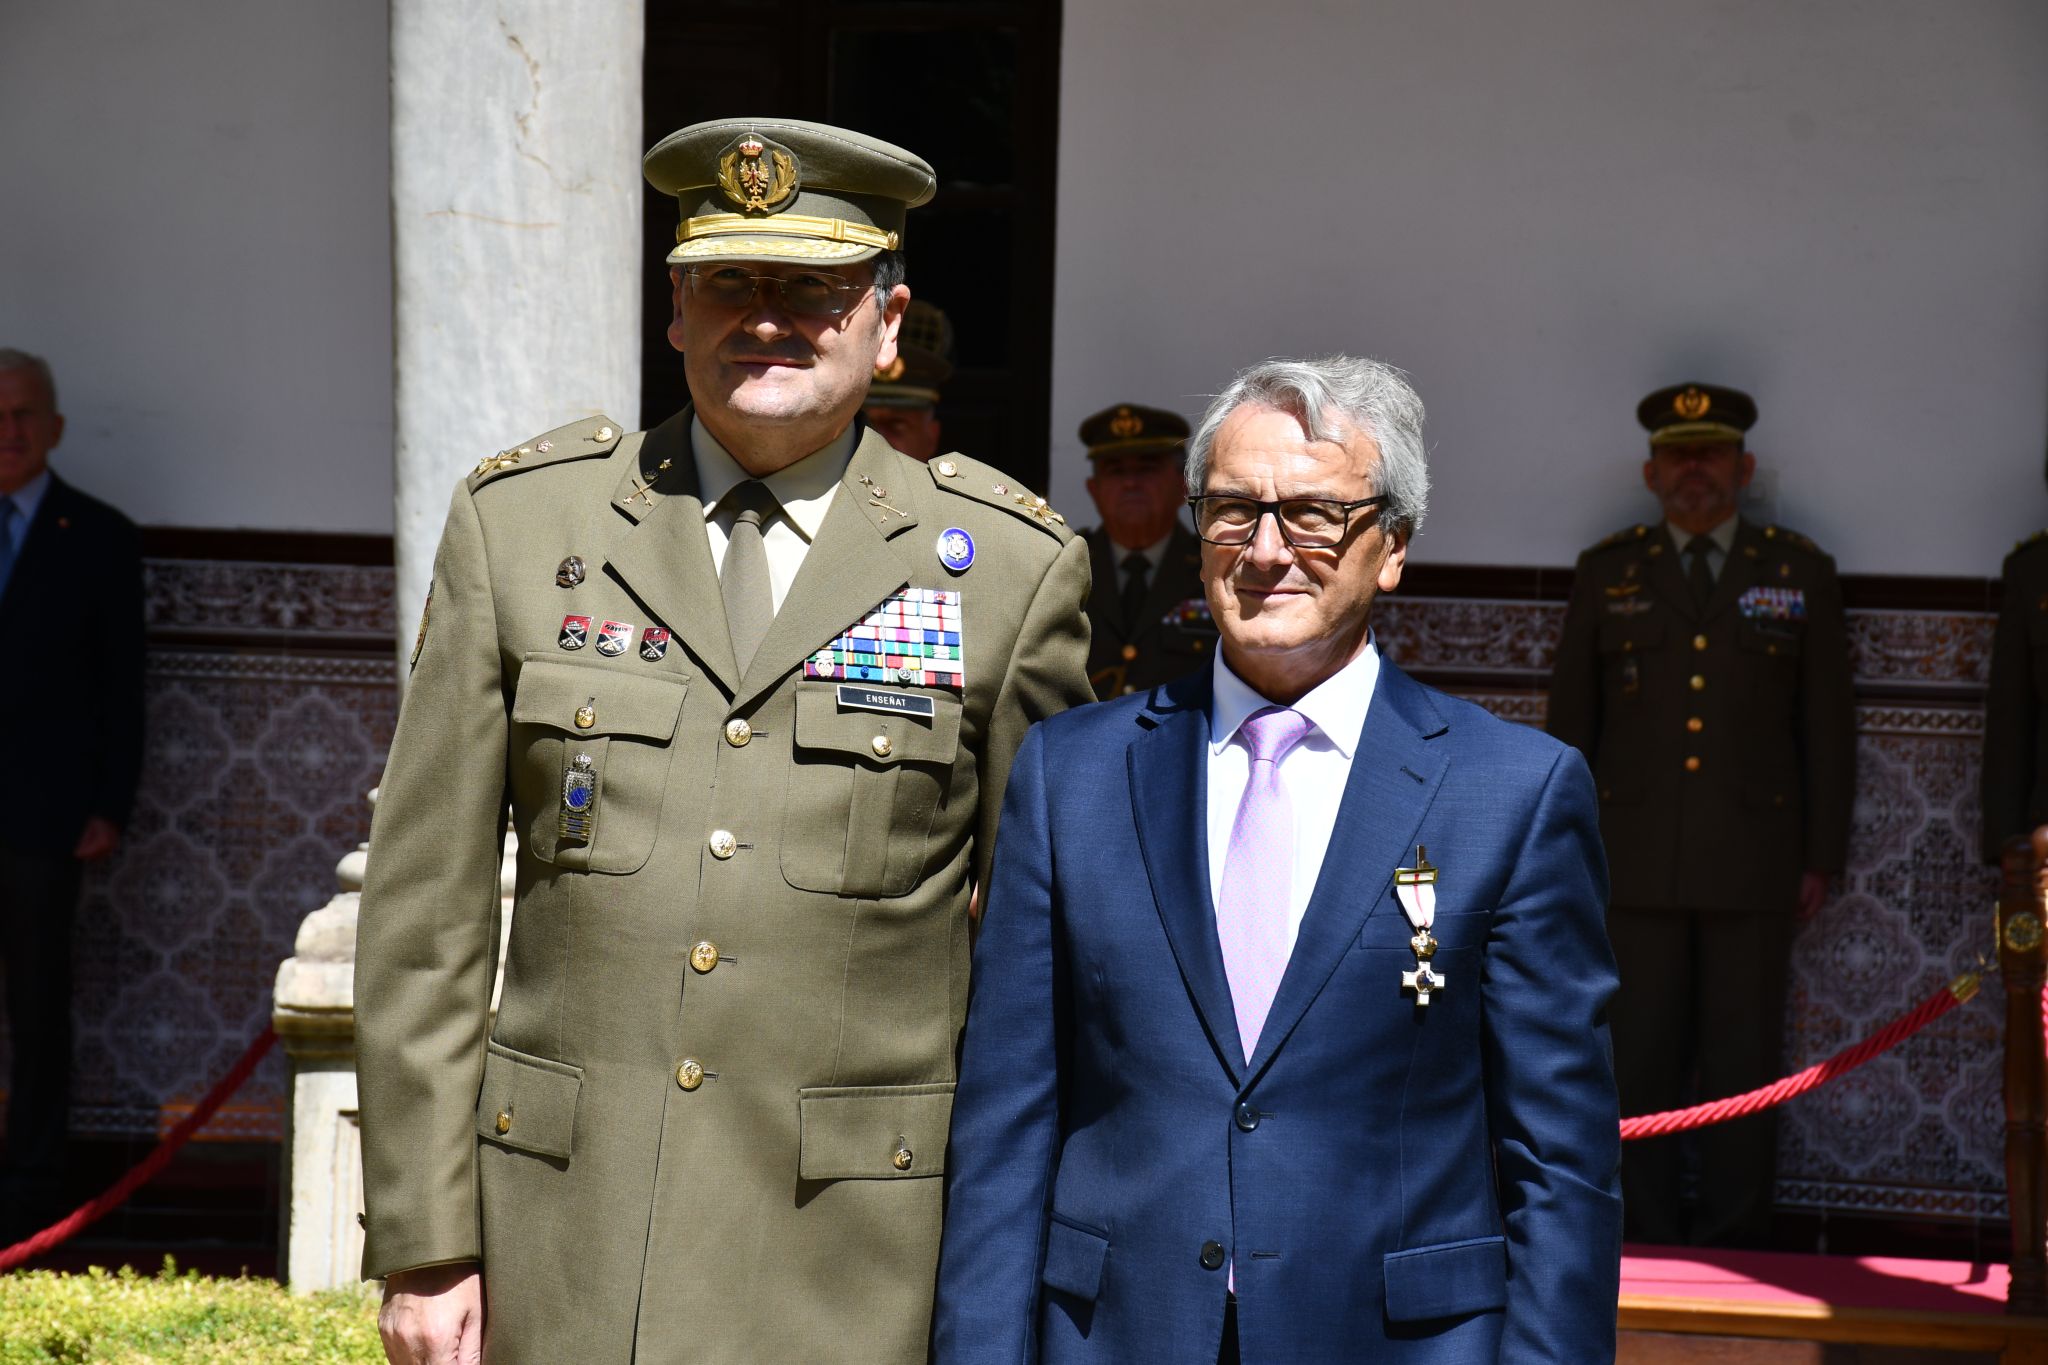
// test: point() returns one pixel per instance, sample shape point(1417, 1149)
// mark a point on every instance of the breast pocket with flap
point(863, 789)
point(604, 731)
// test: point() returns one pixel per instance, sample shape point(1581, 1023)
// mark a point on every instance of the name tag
point(883, 700)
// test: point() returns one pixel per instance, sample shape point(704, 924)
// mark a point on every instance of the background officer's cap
point(1696, 412)
point(772, 189)
point(924, 360)
point(1129, 428)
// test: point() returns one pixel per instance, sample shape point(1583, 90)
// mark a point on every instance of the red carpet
point(1773, 1279)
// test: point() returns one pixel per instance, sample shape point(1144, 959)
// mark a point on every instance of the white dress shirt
point(804, 489)
point(1314, 771)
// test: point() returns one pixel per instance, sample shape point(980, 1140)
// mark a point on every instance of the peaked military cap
point(754, 189)
point(1695, 412)
point(924, 360)
point(1130, 428)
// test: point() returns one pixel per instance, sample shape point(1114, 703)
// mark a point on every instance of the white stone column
point(516, 226)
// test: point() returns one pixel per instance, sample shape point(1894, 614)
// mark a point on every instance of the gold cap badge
point(756, 184)
point(1691, 404)
point(1125, 424)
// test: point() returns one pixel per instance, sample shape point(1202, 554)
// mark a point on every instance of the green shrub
point(104, 1318)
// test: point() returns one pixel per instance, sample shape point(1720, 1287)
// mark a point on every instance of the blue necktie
point(6, 539)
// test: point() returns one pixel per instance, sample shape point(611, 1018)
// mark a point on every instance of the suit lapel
point(1667, 574)
point(1183, 553)
point(1737, 574)
point(1395, 774)
point(847, 570)
point(43, 545)
point(664, 560)
point(1168, 767)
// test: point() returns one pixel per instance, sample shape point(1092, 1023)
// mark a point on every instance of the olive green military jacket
point(1723, 741)
point(710, 1120)
point(1159, 646)
point(2015, 776)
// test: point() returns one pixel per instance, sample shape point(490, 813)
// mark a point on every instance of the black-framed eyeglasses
point(1305, 523)
point(807, 293)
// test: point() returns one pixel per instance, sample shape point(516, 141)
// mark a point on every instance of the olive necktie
point(1136, 568)
point(1701, 577)
point(743, 577)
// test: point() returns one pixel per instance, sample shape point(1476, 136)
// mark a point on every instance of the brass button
point(1695, 724)
point(1770, 649)
point(690, 1074)
point(586, 716)
point(722, 844)
point(901, 1161)
point(1198, 646)
point(704, 956)
point(738, 732)
point(1699, 682)
point(604, 433)
point(1628, 646)
point(1692, 764)
point(948, 469)
point(1699, 642)
point(881, 745)
point(1130, 653)
point(504, 1124)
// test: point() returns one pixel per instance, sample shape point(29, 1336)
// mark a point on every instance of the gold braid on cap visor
point(787, 225)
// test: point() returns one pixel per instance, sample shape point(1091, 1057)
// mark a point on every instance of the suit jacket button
point(1247, 1118)
point(1212, 1255)
point(504, 1123)
point(901, 1161)
point(690, 1074)
point(1130, 652)
point(704, 956)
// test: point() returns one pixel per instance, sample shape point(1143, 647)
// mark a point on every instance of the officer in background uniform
point(2015, 770)
point(903, 400)
point(1704, 671)
point(752, 682)
point(1148, 617)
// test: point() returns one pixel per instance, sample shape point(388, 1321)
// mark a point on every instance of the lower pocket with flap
point(528, 1102)
point(1448, 1280)
point(873, 1132)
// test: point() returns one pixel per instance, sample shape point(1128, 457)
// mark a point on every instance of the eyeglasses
point(809, 294)
point(1305, 523)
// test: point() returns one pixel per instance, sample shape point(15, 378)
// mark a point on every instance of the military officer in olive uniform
point(751, 682)
point(903, 400)
point(2015, 774)
point(1704, 671)
point(1147, 614)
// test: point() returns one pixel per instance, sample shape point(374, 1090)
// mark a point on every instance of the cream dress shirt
point(804, 489)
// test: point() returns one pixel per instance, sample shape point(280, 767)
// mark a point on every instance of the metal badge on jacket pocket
point(579, 801)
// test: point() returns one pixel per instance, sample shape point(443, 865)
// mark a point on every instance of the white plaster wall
point(196, 232)
point(1545, 211)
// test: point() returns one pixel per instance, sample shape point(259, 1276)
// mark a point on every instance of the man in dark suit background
point(71, 613)
point(1146, 618)
point(1246, 1076)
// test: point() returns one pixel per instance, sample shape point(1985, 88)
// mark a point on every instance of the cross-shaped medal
point(1422, 981)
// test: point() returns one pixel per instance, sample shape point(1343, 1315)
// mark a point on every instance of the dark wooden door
point(973, 88)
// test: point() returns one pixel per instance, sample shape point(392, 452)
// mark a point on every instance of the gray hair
point(1333, 398)
point(11, 359)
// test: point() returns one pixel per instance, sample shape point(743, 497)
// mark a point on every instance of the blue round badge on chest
point(956, 549)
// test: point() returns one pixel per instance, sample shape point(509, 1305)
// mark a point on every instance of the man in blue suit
point(1288, 1033)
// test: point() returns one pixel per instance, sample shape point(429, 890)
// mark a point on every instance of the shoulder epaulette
point(1627, 535)
point(576, 441)
point(2029, 542)
point(1785, 535)
point(982, 483)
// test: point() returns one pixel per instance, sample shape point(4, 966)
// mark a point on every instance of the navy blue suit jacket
point(1392, 1182)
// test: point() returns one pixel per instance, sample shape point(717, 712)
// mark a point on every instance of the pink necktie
point(1252, 913)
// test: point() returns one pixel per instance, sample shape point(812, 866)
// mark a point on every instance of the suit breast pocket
point(863, 790)
point(590, 759)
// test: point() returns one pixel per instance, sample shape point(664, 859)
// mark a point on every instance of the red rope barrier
point(117, 1194)
point(1819, 1074)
